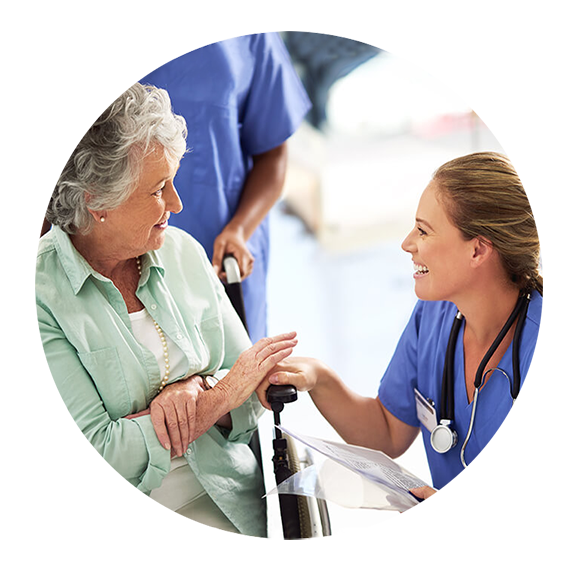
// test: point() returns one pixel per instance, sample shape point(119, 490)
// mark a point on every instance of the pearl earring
point(102, 219)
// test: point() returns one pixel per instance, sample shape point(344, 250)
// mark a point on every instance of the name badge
point(425, 411)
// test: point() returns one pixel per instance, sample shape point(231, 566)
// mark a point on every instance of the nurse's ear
point(482, 251)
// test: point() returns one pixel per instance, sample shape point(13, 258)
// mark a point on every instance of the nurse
point(242, 100)
point(475, 249)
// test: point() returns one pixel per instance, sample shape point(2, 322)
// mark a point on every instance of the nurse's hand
point(303, 373)
point(231, 241)
point(430, 497)
point(253, 367)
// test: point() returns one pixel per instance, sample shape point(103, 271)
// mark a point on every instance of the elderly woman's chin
point(158, 234)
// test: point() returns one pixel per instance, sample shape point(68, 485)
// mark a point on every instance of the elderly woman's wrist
point(221, 394)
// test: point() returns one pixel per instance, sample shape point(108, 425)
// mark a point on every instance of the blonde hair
point(484, 197)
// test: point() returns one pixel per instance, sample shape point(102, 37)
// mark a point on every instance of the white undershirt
point(145, 332)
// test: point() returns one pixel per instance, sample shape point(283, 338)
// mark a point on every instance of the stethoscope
point(443, 437)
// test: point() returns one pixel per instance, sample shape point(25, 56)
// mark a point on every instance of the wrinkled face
point(440, 254)
point(138, 225)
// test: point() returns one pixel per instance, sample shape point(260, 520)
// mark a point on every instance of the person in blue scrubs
point(242, 100)
point(475, 249)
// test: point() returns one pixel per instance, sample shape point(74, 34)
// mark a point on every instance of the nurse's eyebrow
point(422, 221)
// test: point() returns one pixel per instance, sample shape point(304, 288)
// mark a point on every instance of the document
point(393, 482)
point(372, 464)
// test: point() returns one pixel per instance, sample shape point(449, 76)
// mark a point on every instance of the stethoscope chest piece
point(443, 438)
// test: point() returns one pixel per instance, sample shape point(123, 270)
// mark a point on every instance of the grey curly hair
point(105, 166)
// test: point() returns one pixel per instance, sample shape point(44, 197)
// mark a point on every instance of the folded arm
point(129, 446)
point(186, 410)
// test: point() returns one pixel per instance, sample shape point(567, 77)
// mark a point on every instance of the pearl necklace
point(162, 339)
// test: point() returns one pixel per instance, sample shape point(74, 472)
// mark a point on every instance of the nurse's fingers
point(430, 496)
point(261, 392)
point(246, 264)
point(217, 256)
point(297, 379)
point(298, 372)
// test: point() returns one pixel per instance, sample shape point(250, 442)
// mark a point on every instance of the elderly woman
point(134, 321)
point(465, 352)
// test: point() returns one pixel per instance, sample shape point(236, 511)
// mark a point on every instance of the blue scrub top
point(240, 97)
point(419, 362)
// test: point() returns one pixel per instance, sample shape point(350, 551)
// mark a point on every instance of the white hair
point(105, 166)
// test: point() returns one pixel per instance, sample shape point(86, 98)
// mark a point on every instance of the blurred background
point(377, 130)
point(358, 167)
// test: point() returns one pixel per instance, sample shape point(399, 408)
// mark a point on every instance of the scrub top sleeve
point(397, 386)
point(129, 446)
point(277, 102)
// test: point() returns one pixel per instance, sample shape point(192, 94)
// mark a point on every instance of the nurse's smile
point(420, 270)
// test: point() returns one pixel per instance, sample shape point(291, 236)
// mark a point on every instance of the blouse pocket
point(105, 368)
point(209, 344)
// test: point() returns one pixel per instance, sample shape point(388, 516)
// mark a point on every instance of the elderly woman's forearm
point(212, 407)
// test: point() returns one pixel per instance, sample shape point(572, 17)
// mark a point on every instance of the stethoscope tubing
point(501, 335)
point(473, 414)
point(447, 398)
point(472, 417)
point(447, 392)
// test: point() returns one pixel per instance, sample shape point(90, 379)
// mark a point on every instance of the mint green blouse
point(104, 374)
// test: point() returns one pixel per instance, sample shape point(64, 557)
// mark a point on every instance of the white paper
point(356, 477)
point(372, 464)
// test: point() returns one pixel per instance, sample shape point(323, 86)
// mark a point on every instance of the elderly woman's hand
point(253, 365)
point(173, 411)
point(173, 414)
